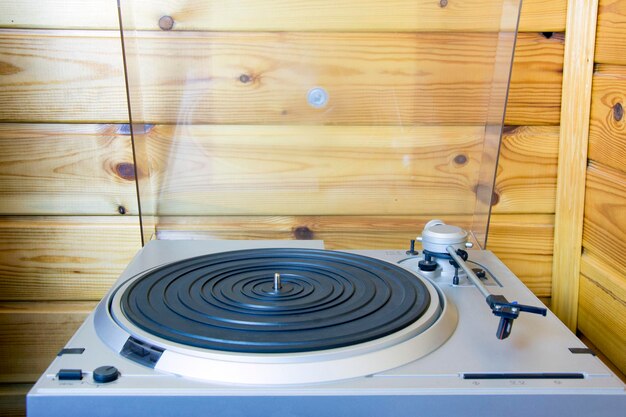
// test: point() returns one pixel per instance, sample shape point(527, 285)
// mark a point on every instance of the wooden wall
point(602, 299)
point(68, 211)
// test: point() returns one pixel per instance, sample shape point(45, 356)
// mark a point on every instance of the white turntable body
point(456, 367)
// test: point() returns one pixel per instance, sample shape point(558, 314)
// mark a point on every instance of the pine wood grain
point(64, 258)
point(78, 258)
point(76, 76)
point(87, 169)
point(610, 46)
point(13, 399)
point(297, 15)
point(543, 15)
point(33, 333)
point(334, 170)
point(607, 130)
point(526, 176)
point(66, 169)
point(532, 94)
point(604, 232)
point(570, 191)
point(612, 280)
point(379, 79)
point(325, 15)
point(59, 14)
point(313, 170)
point(602, 316)
point(70, 76)
point(524, 243)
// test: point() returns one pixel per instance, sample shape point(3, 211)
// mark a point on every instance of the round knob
point(427, 266)
point(437, 236)
point(105, 374)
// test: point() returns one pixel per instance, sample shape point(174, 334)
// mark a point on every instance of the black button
point(70, 375)
point(105, 374)
point(480, 273)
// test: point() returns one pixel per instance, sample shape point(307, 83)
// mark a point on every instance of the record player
point(201, 323)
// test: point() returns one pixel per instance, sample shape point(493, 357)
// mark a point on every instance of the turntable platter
point(275, 316)
point(275, 300)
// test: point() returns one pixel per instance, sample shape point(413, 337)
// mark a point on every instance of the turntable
point(199, 324)
point(287, 328)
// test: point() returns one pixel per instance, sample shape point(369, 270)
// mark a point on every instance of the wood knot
point(7, 68)
point(125, 170)
point(303, 233)
point(618, 112)
point(166, 22)
point(460, 159)
point(495, 198)
point(507, 130)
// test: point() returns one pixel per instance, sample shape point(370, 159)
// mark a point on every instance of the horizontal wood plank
point(526, 175)
point(281, 15)
point(543, 16)
point(313, 170)
point(334, 170)
point(32, 335)
point(69, 76)
point(66, 169)
point(70, 258)
point(607, 130)
point(64, 258)
point(602, 302)
point(604, 231)
point(59, 14)
point(610, 45)
point(87, 169)
point(536, 78)
point(325, 15)
point(13, 399)
point(524, 243)
point(252, 78)
point(613, 281)
point(382, 79)
point(602, 308)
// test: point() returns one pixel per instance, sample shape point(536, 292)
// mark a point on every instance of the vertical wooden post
point(570, 193)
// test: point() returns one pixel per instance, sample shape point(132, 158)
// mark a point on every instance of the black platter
point(228, 301)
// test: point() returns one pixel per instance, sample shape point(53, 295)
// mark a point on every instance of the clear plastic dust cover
point(353, 122)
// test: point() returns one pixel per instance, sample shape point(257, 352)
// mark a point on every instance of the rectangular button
point(71, 351)
point(70, 375)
